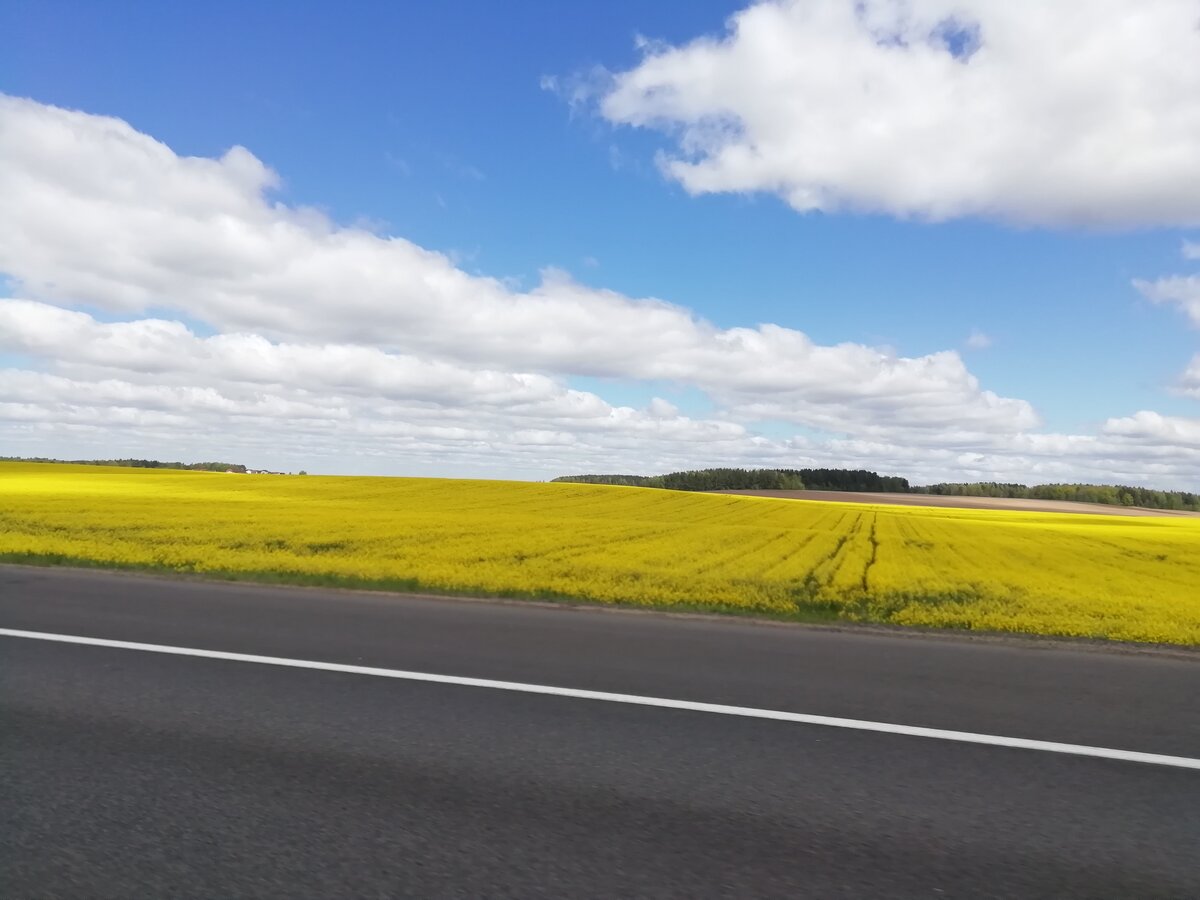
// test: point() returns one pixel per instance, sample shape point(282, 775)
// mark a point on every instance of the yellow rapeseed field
point(1103, 576)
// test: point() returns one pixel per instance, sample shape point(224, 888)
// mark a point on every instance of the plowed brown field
point(1064, 506)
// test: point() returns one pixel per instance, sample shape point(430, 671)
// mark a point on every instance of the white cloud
point(1181, 290)
point(166, 349)
point(978, 340)
point(1189, 382)
point(155, 364)
point(1072, 112)
point(341, 349)
point(579, 88)
point(131, 226)
point(662, 408)
point(1184, 292)
point(1173, 430)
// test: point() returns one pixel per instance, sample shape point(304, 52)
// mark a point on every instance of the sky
point(946, 240)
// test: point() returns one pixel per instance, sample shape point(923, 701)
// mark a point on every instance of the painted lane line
point(964, 737)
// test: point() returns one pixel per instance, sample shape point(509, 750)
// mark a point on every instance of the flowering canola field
point(1046, 573)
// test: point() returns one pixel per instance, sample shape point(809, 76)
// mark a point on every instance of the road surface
point(128, 772)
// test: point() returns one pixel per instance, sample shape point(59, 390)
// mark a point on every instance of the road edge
point(1013, 639)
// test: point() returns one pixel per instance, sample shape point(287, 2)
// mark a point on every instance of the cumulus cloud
point(174, 306)
point(1172, 430)
point(978, 340)
point(1069, 112)
point(1180, 290)
point(132, 226)
point(1189, 382)
point(168, 349)
point(155, 372)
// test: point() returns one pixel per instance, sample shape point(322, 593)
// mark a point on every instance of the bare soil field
point(1063, 506)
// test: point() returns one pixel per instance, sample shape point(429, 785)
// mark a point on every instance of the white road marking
point(965, 737)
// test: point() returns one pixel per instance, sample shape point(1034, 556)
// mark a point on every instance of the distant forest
point(862, 480)
point(756, 480)
point(1112, 494)
point(134, 464)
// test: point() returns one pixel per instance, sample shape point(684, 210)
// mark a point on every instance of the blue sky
point(449, 125)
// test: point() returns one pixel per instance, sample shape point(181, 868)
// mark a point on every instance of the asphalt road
point(126, 773)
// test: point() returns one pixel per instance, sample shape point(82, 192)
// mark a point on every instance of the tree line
point(1110, 494)
point(727, 479)
point(754, 480)
point(134, 464)
point(702, 480)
